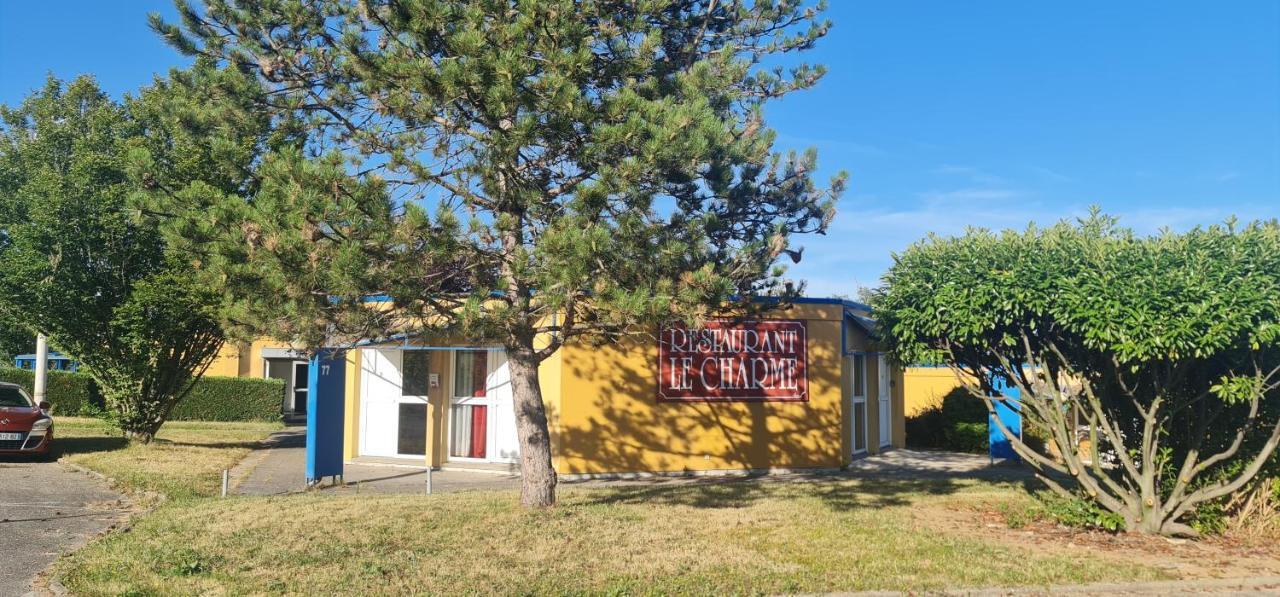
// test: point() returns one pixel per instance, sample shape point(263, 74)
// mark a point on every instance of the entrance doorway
point(481, 419)
point(293, 372)
point(858, 408)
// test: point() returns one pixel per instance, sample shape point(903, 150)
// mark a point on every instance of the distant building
point(57, 362)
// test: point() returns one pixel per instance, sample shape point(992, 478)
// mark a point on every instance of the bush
point(231, 399)
point(70, 394)
point(212, 398)
point(1080, 513)
point(958, 424)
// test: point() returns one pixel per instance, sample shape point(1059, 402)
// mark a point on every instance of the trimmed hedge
point(231, 399)
point(212, 398)
point(69, 393)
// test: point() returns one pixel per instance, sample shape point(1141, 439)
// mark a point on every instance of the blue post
point(1010, 413)
point(326, 382)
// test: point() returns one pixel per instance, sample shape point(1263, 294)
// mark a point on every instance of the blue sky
point(945, 114)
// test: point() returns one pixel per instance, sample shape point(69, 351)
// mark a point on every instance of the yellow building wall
point(231, 361)
point(925, 387)
point(351, 407)
point(610, 421)
point(604, 415)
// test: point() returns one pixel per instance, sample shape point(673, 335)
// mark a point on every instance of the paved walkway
point(922, 464)
point(281, 469)
point(47, 509)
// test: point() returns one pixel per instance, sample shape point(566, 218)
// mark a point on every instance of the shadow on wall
point(611, 420)
point(957, 423)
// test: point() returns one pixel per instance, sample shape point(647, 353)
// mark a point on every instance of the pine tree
point(529, 172)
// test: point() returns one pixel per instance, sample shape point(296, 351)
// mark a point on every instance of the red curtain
point(479, 373)
point(479, 419)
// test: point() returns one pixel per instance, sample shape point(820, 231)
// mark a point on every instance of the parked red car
point(25, 427)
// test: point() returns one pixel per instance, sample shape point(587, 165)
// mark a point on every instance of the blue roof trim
point(813, 300)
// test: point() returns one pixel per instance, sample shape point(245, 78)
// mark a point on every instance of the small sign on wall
point(728, 360)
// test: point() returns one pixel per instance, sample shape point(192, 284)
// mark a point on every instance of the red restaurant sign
point(727, 360)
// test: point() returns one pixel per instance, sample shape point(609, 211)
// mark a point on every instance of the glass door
point(858, 409)
point(300, 381)
point(411, 407)
point(470, 404)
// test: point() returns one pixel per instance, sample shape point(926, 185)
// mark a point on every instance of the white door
point(379, 390)
point(886, 409)
point(502, 418)
point(481, 419)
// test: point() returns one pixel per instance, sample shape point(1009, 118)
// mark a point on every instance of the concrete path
point(281, 469)
point(47, 509)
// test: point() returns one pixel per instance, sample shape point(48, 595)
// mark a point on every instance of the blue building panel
point(327, 380)
point(1009, 412)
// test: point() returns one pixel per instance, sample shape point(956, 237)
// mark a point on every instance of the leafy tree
point(525, 171)
point(1163, 351)
point(77, 264)
point(14, 340)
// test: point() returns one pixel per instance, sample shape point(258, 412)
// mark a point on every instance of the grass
point(756, 536)
point(184, 461)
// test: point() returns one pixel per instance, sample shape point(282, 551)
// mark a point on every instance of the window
point(470, 371)
point(13, 397)
point(859, 427)
point(859, 375)
point(412, 434)
point(416, 363)
point(469, 431)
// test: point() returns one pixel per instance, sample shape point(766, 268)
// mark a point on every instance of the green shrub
point(963, 436)
point(958, 424)
point(231, 399)
point(212, 398)
point(70, 394)
point(1079, 513)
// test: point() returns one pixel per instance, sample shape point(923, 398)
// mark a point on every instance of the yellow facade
point(610, 421)
point(925, 387)
point(605, 417)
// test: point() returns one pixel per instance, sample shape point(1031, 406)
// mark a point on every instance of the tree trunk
point(538, 478)
point(140, 437)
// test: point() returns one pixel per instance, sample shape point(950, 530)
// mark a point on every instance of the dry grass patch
point(756, 536)
point(185, 460)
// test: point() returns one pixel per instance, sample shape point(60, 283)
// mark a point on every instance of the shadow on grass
point(839, 492)
point(85, 445)
point(250, 445)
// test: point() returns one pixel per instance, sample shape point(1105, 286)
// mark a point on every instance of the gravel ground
point(45, 510)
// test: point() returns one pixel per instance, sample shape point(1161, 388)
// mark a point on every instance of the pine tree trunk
point(538, 478)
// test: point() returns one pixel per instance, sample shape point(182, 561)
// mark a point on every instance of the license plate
point(10, 436)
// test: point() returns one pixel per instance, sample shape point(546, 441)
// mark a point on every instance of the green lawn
point(738, 537)
point(185, 460)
